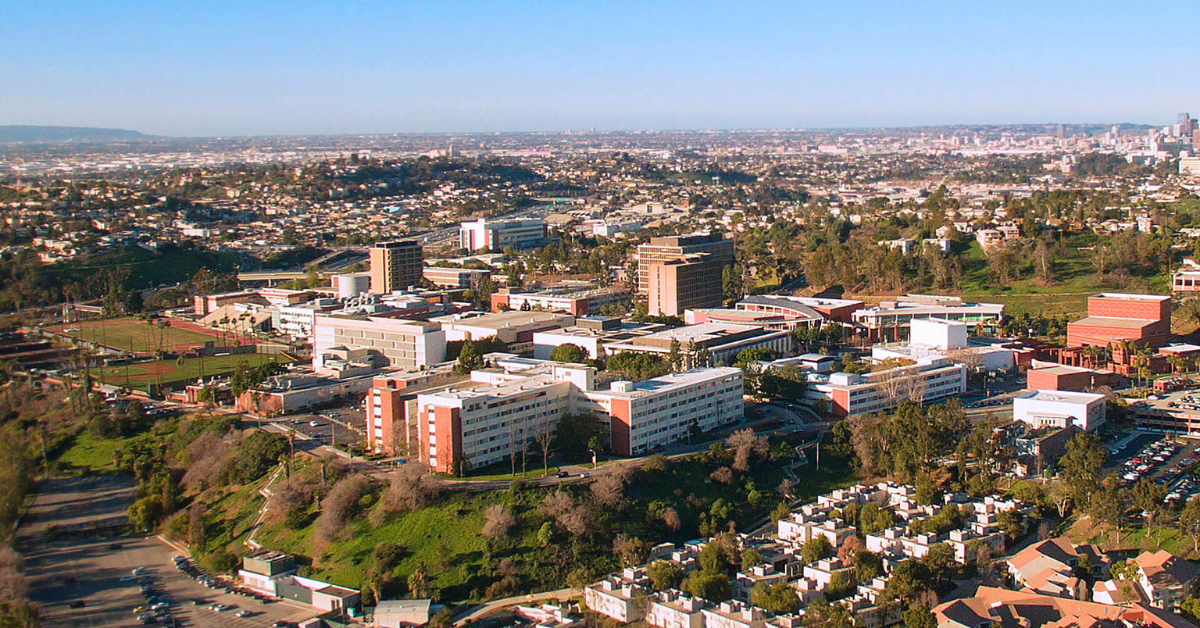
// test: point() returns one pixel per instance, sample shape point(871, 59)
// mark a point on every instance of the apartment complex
point(508, 407)
point(388, 341)
point(496, 235)
point(396, 266)
point(390, 400)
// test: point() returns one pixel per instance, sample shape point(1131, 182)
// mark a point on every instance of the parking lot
point(339, 426)
point(98, 572)
point(1152, 456)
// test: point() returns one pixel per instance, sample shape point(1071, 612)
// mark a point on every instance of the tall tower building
point(674, 247)
point(396, 266)
point(683, 272)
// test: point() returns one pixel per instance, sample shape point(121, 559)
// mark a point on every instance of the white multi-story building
point(1057, 408)
point(929, 379)
point(495, 235)
point(616, 597)
point(513, 404)
point(298, 322)
point(393, 341)
point(676, 609)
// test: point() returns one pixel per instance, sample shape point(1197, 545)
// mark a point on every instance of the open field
point(142, 375)
point(138, 336)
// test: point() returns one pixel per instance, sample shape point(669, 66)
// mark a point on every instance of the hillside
point(29, 133)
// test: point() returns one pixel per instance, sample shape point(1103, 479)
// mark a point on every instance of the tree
point(468, 359)
point(1189, 521)
point(822, 614)
point(574, 433)
point(816, 549)
point(778, 598)
point(418, 581)
point(675, 356)
point(664, 575)
point(918, 616)
point(568, 352)
point(750, 559)
point(714, 587)
point(1081, 466)
point(499, 522)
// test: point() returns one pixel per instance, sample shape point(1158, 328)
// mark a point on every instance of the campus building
point(455, 277)
point(396, 266)
point(1058, 409)
point(574, 299)
point(507, 408)
point(496, 235)
point(668, 248)
point(515, 329)
point(890, 320)
point(387, 341)
point(929, 379)
point(722, 341)
point(1143, 319)
point(839, 310)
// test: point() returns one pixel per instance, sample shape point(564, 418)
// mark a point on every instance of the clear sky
point(361, 66)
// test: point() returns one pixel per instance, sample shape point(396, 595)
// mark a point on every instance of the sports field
point(139, 336)
point(144, 374)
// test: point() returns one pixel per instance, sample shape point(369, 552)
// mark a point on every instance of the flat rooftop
point(1154, 298)
point(1061, 370)
point(1110, 321)
point(1061, 396)
point(503, 320)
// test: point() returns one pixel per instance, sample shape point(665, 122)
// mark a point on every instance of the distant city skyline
point(375, 67)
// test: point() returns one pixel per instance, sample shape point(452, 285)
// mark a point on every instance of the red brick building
point(1059, 378)
point(1144, 319)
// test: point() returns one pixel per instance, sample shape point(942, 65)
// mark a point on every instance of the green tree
point(918, 616)
point(664, 575)
point(468, 359)
point(816, 549)
point(1081, 466)
point(569, 353)
point(778, 598)
point(574, 434)
point(714, 587)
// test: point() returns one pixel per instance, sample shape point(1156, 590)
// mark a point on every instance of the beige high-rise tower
point(683, 272)
point(396, 266)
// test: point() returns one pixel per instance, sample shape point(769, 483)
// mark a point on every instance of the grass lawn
point(503, 472)
point(1140, 537)
point(88, 452)
point(135, 335)
point(143, 374)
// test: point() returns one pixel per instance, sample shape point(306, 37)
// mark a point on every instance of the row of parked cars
point(190, 569)
point(1148, 459)
point(156, 610)
point(1184, 491)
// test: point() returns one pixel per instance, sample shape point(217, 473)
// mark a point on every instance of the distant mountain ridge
point(30, 133)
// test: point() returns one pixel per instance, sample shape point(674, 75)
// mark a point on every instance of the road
point(70, 556)
point(478, 612)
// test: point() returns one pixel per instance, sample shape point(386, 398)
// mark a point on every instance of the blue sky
point(257, 68)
